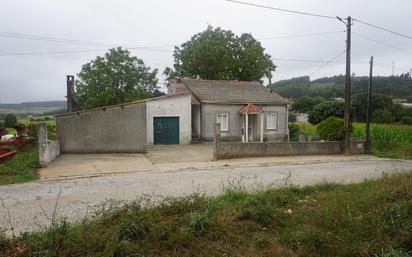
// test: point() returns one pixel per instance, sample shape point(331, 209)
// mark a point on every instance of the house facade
point(247, 111)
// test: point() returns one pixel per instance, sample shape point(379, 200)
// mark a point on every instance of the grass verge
point(373, 218)
point(20, 168)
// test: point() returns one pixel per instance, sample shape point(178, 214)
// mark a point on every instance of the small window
point(223, 119)
point(271, 120)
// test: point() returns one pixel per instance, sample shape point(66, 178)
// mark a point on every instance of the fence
point(227, 150)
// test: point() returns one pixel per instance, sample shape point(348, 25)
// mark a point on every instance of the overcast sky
point(134, 23)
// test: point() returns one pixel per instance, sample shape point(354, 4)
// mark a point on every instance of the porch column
point(247, 128)
point(261, 128)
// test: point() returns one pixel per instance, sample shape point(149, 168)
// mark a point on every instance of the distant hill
point(330, 87)
point(52, 104)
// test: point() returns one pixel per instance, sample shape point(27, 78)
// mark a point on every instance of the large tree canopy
point(115, 78)
point(218, 54)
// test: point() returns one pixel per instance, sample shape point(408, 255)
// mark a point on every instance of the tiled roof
point(231, 92)
point(251, 108)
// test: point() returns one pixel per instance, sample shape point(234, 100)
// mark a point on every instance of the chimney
point(70, 93)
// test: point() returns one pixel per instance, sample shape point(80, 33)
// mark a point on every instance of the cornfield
point(385, 135)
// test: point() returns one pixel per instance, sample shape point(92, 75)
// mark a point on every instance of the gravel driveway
point(30, 206)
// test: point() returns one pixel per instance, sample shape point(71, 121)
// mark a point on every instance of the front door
point(166, 130)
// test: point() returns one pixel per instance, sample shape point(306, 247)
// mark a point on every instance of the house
point(188, 112)
point(236, 105)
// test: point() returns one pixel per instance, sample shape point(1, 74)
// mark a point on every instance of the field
point(21, 168)
point(28, 110)
point(388, 140)
point(373, 218)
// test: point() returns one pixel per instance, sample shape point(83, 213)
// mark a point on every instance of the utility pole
point(368, 108)
point(393, 68)
point(347, 87)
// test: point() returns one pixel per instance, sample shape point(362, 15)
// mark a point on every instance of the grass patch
point(373, 218)
point(20, 168)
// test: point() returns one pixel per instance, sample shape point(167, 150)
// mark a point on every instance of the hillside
point(57, 104)
point(329, 87)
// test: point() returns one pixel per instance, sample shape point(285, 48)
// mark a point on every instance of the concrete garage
point(127, 128)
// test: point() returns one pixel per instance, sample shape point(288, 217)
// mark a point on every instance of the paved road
point(31, 205)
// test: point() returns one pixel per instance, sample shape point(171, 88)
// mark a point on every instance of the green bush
point(382, 116)
point(291, 117)
point(407, 120)
point(293, 132)
point(10, 120)
point(325, 110)
point(331, 129)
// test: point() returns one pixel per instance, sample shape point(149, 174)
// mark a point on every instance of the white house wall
point(174, 106)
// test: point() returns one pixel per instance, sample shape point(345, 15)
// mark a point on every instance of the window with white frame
point(271, 120)
point(223, 119)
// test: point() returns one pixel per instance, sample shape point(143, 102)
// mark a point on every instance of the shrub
point(291, 117)
point(325, 110)
point(331, 129)
point(293, 132)
point(407, 120)
point(10, 120)
point(382, 116)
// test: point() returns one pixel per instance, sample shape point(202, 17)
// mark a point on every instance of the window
point(223, 119)
point(271, 120)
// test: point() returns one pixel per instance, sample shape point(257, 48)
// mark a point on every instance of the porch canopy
point(251, 109)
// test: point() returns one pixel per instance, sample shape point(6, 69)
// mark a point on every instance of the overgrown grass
point(388, 140)
point(373, 218)
point(20, 168)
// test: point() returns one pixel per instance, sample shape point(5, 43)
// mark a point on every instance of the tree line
point(331, 87)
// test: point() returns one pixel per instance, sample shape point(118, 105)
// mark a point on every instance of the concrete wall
point(236, 122)
point(48, 150)
point(227, 150)
point(174, 106)
point(120, 129)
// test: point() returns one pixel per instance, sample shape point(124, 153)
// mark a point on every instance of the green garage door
point(166, 130)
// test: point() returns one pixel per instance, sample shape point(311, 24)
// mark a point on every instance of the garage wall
point(172, 106)
point(112, 130)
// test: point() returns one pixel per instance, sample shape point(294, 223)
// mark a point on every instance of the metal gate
point(166, 130)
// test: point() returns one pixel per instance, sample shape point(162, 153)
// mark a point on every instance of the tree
point(218, 54)
point(113, 79)
point(378, 102)
point(382, 116)
point(325, 110)
point(10, 121)
point(409, 99)
point(305, 104)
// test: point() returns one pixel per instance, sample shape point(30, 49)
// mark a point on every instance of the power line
point(77, 51)
point(328, 62)
point(382, 43)
point(384, 29)
point(302, 35)
point(283, 10)
point(68, 41)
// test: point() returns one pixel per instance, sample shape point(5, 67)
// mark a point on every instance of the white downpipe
point(261, 127)
point(247, 128)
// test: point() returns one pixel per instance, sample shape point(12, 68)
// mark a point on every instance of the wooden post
point(348, 87)
point(368, 109)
